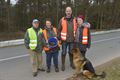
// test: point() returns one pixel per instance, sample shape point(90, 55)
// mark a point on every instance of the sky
point(13, 1)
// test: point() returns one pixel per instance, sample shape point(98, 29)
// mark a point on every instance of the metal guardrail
point(21, 41)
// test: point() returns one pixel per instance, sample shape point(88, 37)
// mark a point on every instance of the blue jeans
point(49, 57)
point(70, 46)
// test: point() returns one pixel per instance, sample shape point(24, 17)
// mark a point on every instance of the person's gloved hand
point(60, 42)
point(58, 38)
point(47, 45)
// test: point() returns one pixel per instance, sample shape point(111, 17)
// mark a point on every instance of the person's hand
point(60, 42)
point(58, 38)
point(46, 48)
point(47, 42)
point(47, 45)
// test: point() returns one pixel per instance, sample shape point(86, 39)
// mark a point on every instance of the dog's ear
point(78, 49)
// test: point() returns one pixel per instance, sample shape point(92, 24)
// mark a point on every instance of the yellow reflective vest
point(33, 38)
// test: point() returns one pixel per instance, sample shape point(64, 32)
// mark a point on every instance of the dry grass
point(112, 69)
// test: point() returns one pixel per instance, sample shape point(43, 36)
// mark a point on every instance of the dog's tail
point(102, 75)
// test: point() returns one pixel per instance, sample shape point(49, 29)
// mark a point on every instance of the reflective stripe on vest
point(45, 33)
point(64, 28)
point(85, 36)
point(33, 38)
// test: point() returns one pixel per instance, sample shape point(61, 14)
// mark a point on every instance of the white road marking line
point(14, 57)
point(105, 40)
point(28, 54)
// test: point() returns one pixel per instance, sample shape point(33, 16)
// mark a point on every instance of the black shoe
point(48, 70)
point(63, 68)
point(56, 69)
point(43, 70)
point(35, 74)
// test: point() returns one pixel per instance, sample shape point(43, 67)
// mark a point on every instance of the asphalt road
point(15, 63)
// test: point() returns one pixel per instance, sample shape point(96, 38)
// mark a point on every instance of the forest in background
point(102, 14)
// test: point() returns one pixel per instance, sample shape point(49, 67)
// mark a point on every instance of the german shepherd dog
point(79, 63)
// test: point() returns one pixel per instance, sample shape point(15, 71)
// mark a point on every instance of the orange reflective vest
point(64, 28)
point(85, 36)
point(46, 38)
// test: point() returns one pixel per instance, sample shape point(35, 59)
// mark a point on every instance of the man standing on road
point(66, 34)
point(34, 42)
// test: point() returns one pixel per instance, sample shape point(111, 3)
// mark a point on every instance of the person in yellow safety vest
point(51, 32)
point(34, 42)
point(66, 35)
point(83, 36)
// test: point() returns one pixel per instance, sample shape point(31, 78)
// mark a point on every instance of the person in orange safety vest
point(83, 37)
point(51, 32)
point(66, 34)
point(83, 41)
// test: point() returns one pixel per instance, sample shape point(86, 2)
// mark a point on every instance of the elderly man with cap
point(34, 42)
point(66, 34)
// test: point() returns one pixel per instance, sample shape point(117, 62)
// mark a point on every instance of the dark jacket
point(78, 40)
point(50, 33)
point(70, 34)
point(40, 40)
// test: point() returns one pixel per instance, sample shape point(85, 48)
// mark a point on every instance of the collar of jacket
point(69, 19)
point(48, 28)
point(80, 26)
point(36, 29)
